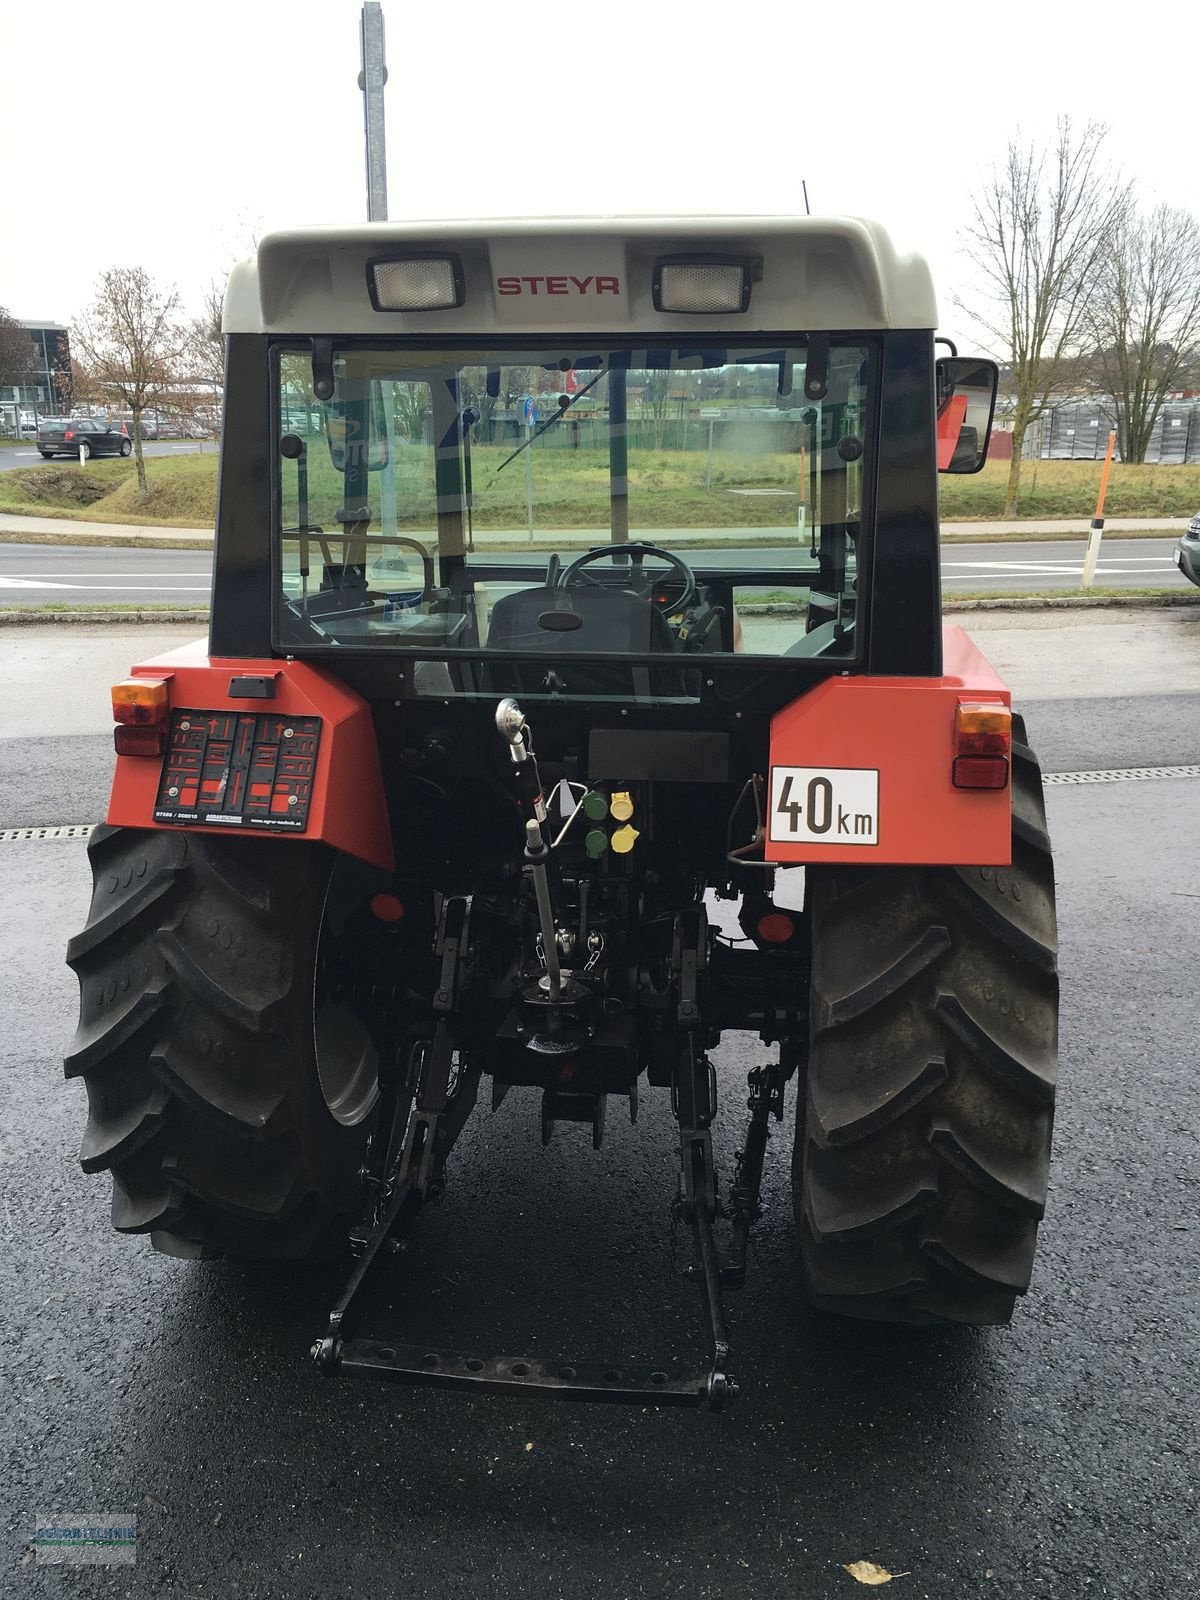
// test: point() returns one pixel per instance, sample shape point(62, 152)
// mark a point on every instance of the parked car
point(1187, 551)
point(93, 436)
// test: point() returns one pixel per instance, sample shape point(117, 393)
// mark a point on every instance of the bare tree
point(1042, 222)
point(129, 344)
point(1144, 319)
point(656, 401)
point(205, 351)
point(18, 353)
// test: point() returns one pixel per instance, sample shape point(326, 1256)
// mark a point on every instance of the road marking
point(42, 835)
point(96, 576)
point(106, 588)
point(1123, 775)
point(33, 583)
point(1143, 563)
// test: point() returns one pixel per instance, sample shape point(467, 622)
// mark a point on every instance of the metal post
point(708, 469)
point(371, 81)
point(618, 454)
point(529, 479)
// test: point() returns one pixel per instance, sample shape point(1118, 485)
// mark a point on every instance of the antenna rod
point(804, 187)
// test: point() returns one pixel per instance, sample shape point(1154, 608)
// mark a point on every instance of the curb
point(1074, 602)
point(30, 616)
point(93, 541)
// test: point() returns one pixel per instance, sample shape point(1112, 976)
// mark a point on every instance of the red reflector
point(139, 740)
point(775, 928)
point(980, 772)
point(387, 908)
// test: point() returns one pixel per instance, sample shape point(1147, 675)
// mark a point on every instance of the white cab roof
point(818, 274)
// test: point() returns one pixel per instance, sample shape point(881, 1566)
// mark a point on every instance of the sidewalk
point(66, 529)
point(53, 530)
point(1065, 527)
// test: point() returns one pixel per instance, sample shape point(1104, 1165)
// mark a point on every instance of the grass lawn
point(183, 491)
point(570, 490)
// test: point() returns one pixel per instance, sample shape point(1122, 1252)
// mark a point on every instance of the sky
point(167, 135)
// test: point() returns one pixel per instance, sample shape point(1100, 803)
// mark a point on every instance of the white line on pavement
point(32, 583)
point(100, 577)
point(106, 588)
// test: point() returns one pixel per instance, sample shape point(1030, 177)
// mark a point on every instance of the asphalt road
point(41, 574)
point(1056, 1458)
point(28, 455)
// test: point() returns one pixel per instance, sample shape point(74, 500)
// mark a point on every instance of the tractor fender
point(242, 709)
point(862, 771)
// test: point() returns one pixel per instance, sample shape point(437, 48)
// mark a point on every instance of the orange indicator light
point(144, 700)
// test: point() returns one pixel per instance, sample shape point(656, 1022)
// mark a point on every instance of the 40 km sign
point(824, 805)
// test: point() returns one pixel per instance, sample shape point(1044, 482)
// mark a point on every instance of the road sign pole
point(529, 479)
point(371, 80)
point(1097, 533)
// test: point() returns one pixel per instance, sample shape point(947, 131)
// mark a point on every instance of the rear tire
point(45, 454)
point(920, 1169)
point(197, 1043)
point(126, 447)
point(85, 451)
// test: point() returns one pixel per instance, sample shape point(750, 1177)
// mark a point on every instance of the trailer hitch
point(339, 1351)
point(426, 1124)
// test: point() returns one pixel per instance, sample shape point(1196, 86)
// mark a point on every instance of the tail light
point(140, 708)
point(982, 744)
point(70, 433)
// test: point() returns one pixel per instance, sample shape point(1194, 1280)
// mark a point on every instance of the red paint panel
point(902, 729)
point(949, 427)
point(349, 809)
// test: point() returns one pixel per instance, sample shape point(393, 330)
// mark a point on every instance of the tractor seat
point(612, 621)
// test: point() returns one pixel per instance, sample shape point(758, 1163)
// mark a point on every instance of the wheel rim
point(347, 1064)
point(347, 1060)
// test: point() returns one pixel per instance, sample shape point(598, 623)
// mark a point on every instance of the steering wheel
point(636, 578)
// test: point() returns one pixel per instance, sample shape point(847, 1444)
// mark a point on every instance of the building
point(48, 389)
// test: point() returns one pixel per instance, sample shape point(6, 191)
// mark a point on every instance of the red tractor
point(576, 690)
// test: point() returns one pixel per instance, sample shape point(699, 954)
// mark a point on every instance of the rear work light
point(704, 283)
point(415, 283)
point(982, 744)
point(141, 700)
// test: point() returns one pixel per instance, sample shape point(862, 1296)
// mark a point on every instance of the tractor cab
point(465, 480)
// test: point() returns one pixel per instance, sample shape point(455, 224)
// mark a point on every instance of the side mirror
point(355, 431)
point(966, 402)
